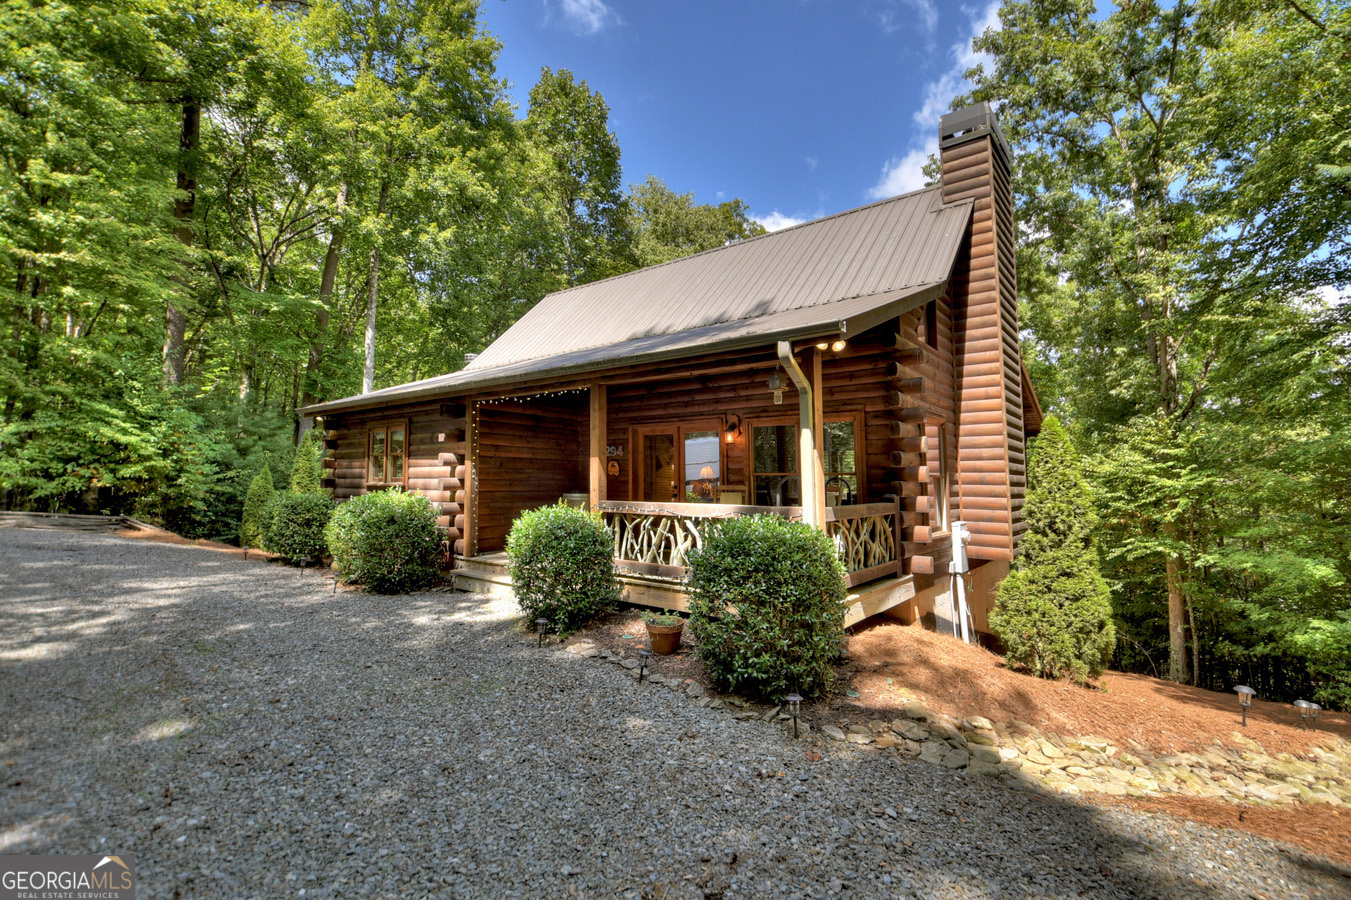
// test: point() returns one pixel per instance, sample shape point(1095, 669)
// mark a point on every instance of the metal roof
point(841, 274)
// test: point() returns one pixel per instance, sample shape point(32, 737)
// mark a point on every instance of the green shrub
point(562, 565)
point(256, 502)
point(1054, 612)
point(305, 470)
point(294, 526)
point(766, 606)
point(386, 540)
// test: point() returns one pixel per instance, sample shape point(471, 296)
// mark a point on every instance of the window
point(385, 452)
point(931, 323)
point(774, 459)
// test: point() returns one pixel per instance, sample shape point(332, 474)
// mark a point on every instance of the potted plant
point(664, 628)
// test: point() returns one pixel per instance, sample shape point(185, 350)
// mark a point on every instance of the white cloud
point(903, 174)
point(586, 16)
point(777, 221)
point(811, 162)
point(898, 14)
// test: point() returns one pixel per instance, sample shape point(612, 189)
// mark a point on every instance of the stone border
point(1021, 755)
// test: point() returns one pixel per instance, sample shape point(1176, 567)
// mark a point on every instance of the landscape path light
point(1308, 711)
point(794, 707)
point(541, 625)
point(643, 657)
point(1245, 695)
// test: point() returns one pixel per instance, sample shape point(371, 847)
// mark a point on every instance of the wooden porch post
point(817, 459)
point(470, 479)
point(809, 435)
point(598, 477)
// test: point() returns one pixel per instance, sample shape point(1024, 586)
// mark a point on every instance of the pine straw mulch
point(888, 664)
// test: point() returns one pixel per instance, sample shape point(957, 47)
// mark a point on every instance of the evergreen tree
point(256, 503)
point(305, 472)
point(1054, 613)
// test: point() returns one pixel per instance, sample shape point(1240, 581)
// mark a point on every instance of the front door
point(680, 464)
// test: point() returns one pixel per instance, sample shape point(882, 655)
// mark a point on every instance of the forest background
point(213, 213)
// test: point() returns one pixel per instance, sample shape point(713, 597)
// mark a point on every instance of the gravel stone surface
point(241, 731)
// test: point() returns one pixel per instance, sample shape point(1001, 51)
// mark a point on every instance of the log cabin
point(861, 372)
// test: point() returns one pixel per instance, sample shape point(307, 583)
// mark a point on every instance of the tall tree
point(570, 123)
point(1166, 242)
point(669, 225)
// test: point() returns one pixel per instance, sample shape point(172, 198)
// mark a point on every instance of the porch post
point(809, 435)
point(818, 461)
point(597, 476)
point(470, 482)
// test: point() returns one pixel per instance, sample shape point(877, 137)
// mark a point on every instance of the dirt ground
point(888, 664)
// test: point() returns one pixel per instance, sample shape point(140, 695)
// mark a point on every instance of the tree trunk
point(1177, 615)
point(327, 282)
point(372, 297)
point(175, 322)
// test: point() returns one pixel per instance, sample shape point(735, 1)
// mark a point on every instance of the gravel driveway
point(241, 732)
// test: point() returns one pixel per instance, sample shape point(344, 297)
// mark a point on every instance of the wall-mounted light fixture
point(733, 429)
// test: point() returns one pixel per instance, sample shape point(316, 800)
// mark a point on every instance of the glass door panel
point(659, 467)
point(703, 466)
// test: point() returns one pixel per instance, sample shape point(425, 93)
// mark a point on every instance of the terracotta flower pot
point(664, 639)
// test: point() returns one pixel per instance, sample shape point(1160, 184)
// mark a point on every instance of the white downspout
point(961, 535)
point(811, 514)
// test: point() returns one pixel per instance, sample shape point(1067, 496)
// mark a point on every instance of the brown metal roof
point(841, 274)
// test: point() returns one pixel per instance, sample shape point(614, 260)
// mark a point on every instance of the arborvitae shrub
point(562, 566)
point(305, 471)
point(256, 502)
point(1054, 612)
point(294, 526)
point(386, 540)
point(766, 605)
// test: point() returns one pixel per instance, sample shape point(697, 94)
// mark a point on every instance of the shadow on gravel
point(124, 666)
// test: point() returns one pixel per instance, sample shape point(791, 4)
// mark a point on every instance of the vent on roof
point(470, 357)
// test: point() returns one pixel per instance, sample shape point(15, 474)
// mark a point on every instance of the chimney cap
point(967, 124)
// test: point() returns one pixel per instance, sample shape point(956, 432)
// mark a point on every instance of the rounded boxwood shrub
point(294, 526)
point(386, 540)
point(562, 565)
point(766, 606)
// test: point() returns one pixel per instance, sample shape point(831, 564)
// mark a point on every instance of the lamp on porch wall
point(733, 429)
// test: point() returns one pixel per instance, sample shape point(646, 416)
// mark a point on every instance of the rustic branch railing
point(654, 539)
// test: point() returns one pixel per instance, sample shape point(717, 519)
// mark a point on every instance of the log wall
point(434, 459)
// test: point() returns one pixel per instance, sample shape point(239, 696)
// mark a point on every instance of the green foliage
point(294, 526)
point(663, 618)
point(562, 565)
point(256, 503)
point(387, 540)
point(1054, 613)
point(305, 470)
point(669, 225)
point(766, 605)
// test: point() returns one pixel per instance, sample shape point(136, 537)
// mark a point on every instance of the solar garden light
point(794, 701)
point(1308, 711)
point(541, 625)
point(643, 657)
point(1245, 695)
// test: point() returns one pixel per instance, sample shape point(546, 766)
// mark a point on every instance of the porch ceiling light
point(837, 346)
point(1245, 695)
point(824, 345)
point(794, 704)
point(541, 625)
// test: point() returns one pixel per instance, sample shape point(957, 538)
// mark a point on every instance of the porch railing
point(654, 539)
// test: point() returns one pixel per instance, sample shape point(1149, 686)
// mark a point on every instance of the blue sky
point(799, 108)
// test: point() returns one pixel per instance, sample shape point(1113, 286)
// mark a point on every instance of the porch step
point(487, 574)
point(877, 597)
